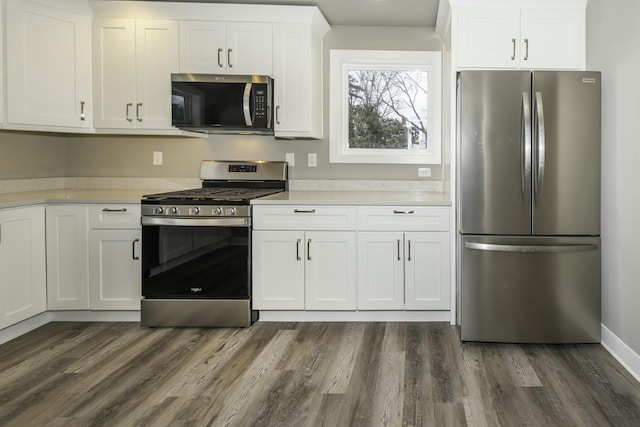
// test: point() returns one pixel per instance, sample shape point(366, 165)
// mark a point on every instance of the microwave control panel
point(260, 100)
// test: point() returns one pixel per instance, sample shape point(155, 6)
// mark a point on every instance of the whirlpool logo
point(196, 290)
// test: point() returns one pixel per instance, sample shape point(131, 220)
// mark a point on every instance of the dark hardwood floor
point(297, 374)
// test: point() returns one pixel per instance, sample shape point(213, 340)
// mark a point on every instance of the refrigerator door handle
point(540, 145)
point(530, 248)
point(525, 143)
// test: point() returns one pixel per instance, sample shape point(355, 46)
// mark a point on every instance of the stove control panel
point(196, 211)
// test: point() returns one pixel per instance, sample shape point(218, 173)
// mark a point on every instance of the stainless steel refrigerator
point(529, 206)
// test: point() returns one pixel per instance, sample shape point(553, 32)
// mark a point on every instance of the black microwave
point(215, 103)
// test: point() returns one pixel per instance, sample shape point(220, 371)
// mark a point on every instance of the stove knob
point(217, 211)
point(195, 211)
point(231, 211)
point(159, 211)
point(173, 211)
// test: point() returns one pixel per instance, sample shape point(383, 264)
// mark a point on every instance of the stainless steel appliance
point(222, 103)
point(529, 206)
point(196, 246)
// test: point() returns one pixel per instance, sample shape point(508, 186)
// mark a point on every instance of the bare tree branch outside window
point(388, 109)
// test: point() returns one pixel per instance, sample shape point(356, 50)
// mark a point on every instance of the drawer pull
point(114, 210)
point(397, 211)
point(304, 211)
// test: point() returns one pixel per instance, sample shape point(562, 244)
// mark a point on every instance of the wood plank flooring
point(304, 374)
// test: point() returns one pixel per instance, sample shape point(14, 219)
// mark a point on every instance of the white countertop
point(70, 196)
point(408, 198)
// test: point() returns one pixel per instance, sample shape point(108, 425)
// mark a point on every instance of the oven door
point(200, 258)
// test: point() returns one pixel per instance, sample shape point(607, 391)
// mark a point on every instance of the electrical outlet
point(312, 160)
point(290, 158)
point(157, 158)
point(424, 172)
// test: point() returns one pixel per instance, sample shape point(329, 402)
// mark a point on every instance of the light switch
point(290, 158)
point(157, 158)
point(312, 160)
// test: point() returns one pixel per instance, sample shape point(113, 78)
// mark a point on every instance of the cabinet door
point(249, 48)
point(552, 38)
point(114, 66)
point(23, 286)
point(488, 38)
point(203, 47)
point(48, 66)
point(330, 270)
point(67, 258)
point(278, 270)
point(427, 271)
point(156, 58)
point(297, 68)
point(114, 269)
point(380, 271)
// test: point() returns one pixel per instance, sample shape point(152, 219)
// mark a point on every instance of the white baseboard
point(28, 325)
point(21, 328)
point(621, 351)
point(355, 316)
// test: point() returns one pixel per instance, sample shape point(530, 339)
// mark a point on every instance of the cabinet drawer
point(403, 218)
point(122, 216)
point(304, 218)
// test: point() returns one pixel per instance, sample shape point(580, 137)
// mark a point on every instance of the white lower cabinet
point(23, 287)
point(67, 257)
point(115, 243)
point(351, 258)
point(403, 270)
point(298, 270)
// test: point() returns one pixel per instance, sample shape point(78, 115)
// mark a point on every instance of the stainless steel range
point(196, 246)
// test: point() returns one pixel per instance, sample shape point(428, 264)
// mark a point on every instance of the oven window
point(195, 262)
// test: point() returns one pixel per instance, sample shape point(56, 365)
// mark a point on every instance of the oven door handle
point(197, 222)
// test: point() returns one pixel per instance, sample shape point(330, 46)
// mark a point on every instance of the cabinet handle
point(409, 255)
point(513, 55)
point(128, 112)
point(229, 58)
point(309, 250)
point(138, 108)
point(397, 211)
point(277, 115)
point(220, 64)
point(526, 49)
point(298, 257)
point(304, 211)
point(133, 249)
point(398, 249)
point(114, 210)
point(82, 111)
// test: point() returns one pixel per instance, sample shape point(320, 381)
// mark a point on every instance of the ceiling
point(414, 13)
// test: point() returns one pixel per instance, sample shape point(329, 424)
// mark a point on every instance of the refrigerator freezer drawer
point(530, 289)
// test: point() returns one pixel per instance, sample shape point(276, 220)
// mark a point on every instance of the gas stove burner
point(213, 194)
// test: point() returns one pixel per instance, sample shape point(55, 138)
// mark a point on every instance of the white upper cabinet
point(226, 48)
point(520, 35)
point(297, 74)
point(133, 62)
point(48, 66)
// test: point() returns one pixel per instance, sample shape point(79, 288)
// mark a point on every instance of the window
point(385, 106)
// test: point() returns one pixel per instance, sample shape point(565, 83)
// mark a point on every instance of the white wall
point(613, 41)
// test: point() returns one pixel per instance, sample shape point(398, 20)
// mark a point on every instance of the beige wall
point(28, 155)
point(612, 47)
point(132, 156)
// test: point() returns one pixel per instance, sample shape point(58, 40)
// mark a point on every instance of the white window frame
point(341, 62)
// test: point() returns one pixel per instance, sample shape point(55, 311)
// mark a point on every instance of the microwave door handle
point(245, 104)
